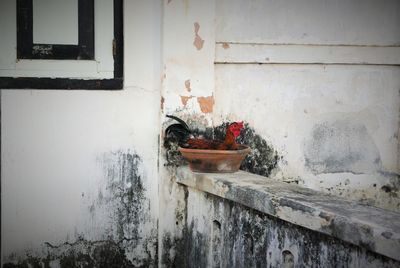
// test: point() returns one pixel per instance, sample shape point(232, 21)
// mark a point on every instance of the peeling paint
point(185, 99)
point(206, 104)
point(225, 45)
point(198, 42)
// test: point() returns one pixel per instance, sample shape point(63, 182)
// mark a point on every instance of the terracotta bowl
point(215, 161)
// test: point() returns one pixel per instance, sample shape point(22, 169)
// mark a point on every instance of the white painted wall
point(355, 22)
point(54, 144)
point(182, 60)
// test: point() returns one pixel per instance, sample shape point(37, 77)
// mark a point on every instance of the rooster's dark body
point(186, 138)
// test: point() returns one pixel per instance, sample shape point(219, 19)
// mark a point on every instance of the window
point(58, 44)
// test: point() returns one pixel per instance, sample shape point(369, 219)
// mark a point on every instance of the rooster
point(186, 139)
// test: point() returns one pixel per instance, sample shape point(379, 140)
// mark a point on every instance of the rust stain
point(225, 45)
point(187, 85)
point(185, 99)
point(198, 42)
point(206, 104)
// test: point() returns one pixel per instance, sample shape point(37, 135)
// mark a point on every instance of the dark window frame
point(26, 49)
point(68, 83)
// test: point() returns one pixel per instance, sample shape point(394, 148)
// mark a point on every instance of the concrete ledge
point(375, 229)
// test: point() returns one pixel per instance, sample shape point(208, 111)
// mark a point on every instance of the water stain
point(341, 146)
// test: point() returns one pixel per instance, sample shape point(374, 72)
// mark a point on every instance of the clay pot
point(215, 161)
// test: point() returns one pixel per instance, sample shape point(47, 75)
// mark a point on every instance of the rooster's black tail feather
point(180, 131)
point(183, 123)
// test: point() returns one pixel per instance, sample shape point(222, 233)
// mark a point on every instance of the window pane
point(55, 22)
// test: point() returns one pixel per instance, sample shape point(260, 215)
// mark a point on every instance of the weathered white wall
point(60, 148)
point(355, 22)
point(187, 91)
point(317, 80)
point(71, 158)
point(332, 119)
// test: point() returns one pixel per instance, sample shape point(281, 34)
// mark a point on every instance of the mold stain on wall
point(188, 247)
point(248, 238)
point(130, 207)
point(81, 253)
point(344, 146)
point(341, 146)
point(130, 236)
point(186, 250)
point(384, 196)
point(263, 158)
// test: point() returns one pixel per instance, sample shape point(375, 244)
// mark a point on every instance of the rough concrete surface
point(374, 229)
